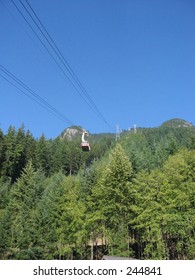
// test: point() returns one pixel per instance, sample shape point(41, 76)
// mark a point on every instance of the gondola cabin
point(85, 147)
point(85, 144)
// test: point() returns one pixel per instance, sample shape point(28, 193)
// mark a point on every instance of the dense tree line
point(132, 198)
point(17, 147)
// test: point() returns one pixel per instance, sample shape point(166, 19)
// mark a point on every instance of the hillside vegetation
point(134, 197)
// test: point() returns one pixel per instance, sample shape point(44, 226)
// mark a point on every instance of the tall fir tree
point(61, 219)
point(18, 221)
point(111, 198)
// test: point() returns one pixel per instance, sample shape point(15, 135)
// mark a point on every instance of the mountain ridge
point(75, 132)
point(177, 122)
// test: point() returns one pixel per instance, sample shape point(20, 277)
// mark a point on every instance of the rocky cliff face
point(72, 132)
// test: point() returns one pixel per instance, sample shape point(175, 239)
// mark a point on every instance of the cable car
point(85, 144)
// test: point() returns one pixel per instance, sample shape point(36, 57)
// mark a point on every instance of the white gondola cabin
point(85, 144)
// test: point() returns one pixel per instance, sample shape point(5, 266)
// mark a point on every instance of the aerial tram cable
point(48, 51)
point(55, 60)
point(33, 95)
point(44, 104)
point(63, 60)
point(30, 97)
point(86, 97)
point(40, 101)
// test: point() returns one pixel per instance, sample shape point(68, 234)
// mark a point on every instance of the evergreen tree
point(164, 209)
point(111, 198)
point(18, 221)
point(19, 153)
point(30, 148)
point(2, 151)
point(180, 173)
point(149, 214)
point(4, 200)
point(43, 155)
point(61, 219)
point(8, 164)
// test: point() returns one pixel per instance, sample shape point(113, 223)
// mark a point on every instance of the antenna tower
point(118, 131)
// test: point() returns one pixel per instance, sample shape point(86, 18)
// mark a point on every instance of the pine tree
point(164, 209)
point(43, 155)
point(111, 200)
point(61, 219)
point(149, 214)
point(2, 151)
point(19, 153)
point(8, 164)
point(18, 222)
point(180, 173)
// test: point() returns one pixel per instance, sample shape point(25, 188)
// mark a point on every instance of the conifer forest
point(134, 197)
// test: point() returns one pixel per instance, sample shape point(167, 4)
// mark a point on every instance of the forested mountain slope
point(149, 148)
point(132, 197)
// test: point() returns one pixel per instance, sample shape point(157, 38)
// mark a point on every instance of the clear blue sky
point(135, 58)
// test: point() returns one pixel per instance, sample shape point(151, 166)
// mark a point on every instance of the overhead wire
point(48, 51)
point(17, 83)
point(64, 61)
point(27, 95)
point(73, 79)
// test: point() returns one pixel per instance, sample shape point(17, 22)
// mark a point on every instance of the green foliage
point(110, 200)
point(136, 196)
point(16, 149)
point(18, 221)
point(2, 151)
point(60, 217)
point(150, 148)
point(164, 212)
point(177, 123)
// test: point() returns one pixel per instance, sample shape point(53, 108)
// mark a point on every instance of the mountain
point(177, 123)
point(139, 188)
point(72, 132)
point(75, 132)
